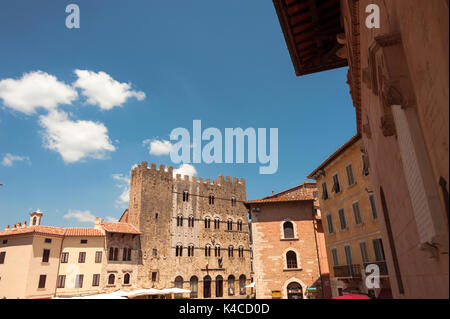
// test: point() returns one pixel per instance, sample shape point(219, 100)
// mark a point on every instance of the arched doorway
point(294, 291)
point(230, 285)
point(207, 287)
point(193, 283)
point(242, 280)
point(179, 284)
point(219, 286)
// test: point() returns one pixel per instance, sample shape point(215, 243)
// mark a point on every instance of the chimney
point(7, 227)
point(97, 223)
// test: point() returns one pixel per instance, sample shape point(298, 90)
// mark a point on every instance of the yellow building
point(43, 262)
point(351, 222)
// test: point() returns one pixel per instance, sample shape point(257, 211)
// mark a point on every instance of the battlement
point(221, 180)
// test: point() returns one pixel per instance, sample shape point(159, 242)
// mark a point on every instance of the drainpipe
point(318, 257)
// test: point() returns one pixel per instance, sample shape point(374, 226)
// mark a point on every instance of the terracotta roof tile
point(88, 232)
point(280, 199)
point(124, 228)
point(59, 231)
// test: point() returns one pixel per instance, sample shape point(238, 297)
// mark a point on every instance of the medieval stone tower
point(195, 233)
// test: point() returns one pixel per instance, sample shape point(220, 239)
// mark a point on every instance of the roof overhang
point(310, 28)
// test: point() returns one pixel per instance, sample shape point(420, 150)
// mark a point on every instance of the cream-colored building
point(351, 221)
point(43, 262)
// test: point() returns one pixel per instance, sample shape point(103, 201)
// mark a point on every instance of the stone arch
point(291, 280)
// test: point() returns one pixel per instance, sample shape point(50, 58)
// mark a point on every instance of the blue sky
point(223, 62)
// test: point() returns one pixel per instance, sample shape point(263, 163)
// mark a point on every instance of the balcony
point(381, 265)
point(347, 271)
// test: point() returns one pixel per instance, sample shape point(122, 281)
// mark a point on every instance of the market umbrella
point(352, 296)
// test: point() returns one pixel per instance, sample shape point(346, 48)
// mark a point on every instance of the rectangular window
point(42, 279)
point(96, 280)
point(82, 257)
point(154, 275)
point(154, 252)
point(348, 255)
point(350, 176)
point(364, 252)
point(5, 241)
point(2, 257)
point(64, 258)
point(48, 240)
point(83, 241)
point(330, 224)
point(372, 205)
point(61, 281)
point(98, 257)
point(79, 281)
point(365, 171)
point(378, 249)
point(334, 253)
point(336, 185)
point(46, 255)
point(357, 213)
point(324, 191)
point(342, 219)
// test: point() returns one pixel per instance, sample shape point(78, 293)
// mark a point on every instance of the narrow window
point(330, 224)
point(334, 253)
point(217, 251)
point(46, 255)
point(126, 279)
point(324, 191)
point(96, 280)
point(191, 221)
point(291, 259)
point(61, 282)
point(365, 171)
point(211, 199)
point(98, 257)
point(241, 252)
point(373, 207)
point(111, 279)
point(116, 254)
point(207, 250)
point(190, 250)
point(185, 196)
point(111, 253)
point(42, 279)
point(179, 220)
point(216, 223)
point(378, 249)
point(288, 229)
point(179, 250)
point(64, 258)
point(154, 252)
point(350, 176)
point(207, 222)
point(342, 219)
point(336, 185)
point(364, 252)
point(230, 224)
point(82, 257)
point(154, 276)
point(230, 251)
point(233, 201)
point(79, 281)
point(2, 257)
point(239, 225)
point(357, 213)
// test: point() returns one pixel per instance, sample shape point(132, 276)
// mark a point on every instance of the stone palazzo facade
point(195, 233)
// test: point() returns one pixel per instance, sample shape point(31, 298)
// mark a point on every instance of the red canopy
point(352, 296)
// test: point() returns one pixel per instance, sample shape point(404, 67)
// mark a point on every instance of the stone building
point(195, 233)
point(399, 83)
point(353, 235)
point(288, 246)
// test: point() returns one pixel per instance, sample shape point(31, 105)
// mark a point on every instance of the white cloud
point(81, 216)
point(162, 147)
point(75, 140)
point(124, 184)
point(111, 219)
point(102, 90)
point(9, 159)
point(185, 169)
point(34, 90)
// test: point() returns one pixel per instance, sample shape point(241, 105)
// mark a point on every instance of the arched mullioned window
point(111, 279)
point(207, 250)
point(291, 259)
point(230, 251)
point(217, 251)
point(239, 225)
point(207, 222)
point(229, 224)
point(191, 250)
point(191, 221)
point(288, 229)
point(216, 223)
point(233, 201)
point(211, 199)
point(185, 196)
point(126, 279)
point(241, 252)
point(180, 220)
point(179, 250)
